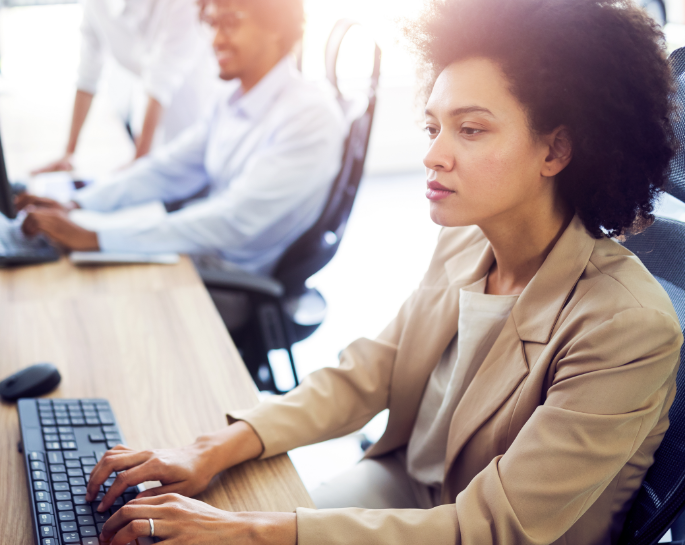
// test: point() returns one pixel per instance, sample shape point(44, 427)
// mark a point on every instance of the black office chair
point(661, 499)
point(283, 309)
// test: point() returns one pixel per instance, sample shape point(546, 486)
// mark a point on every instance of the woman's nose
point(439, 156)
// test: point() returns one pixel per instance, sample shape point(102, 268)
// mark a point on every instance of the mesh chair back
point(316, 247)
point(661, 248)
point(662, 496)
point(677, 175)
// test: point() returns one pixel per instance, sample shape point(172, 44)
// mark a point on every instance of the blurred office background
point(390, 237)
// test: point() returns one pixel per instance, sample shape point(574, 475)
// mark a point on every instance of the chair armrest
point(225, 276)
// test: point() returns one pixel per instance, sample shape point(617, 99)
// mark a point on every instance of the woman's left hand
point(180, 520)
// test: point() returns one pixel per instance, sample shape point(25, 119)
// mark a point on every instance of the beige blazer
point(554, 435)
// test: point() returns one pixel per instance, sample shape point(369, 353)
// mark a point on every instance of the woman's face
point(484, 164)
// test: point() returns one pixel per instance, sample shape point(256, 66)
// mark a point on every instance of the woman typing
point(528, 378)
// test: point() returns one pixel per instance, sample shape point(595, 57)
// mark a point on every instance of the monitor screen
point(6, 197)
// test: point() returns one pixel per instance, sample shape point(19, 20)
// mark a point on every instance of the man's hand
point(55, 223)
point(186, 470)
point(23, 200)
point(184, 521)
point(61, 164)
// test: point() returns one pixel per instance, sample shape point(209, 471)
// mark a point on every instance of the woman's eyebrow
point(465, 110)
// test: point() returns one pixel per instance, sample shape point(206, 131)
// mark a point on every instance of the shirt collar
point(255, 103)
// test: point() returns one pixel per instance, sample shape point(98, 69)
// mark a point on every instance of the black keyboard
point(62, 440)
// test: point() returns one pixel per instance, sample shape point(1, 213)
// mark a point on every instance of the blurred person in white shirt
point(161, 76)
point(267, 155)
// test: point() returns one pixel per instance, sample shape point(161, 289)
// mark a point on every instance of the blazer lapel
point(432, 326)
point(532, 319)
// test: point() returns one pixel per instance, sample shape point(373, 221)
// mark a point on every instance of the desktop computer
point(15, 247)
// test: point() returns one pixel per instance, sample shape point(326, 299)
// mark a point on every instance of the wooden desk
point(148, 338)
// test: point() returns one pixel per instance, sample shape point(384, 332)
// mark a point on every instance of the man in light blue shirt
point(268, 152)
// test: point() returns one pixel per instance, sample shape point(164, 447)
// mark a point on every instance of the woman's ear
point(560, 151)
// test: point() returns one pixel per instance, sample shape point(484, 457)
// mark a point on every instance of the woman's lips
point(437, 191)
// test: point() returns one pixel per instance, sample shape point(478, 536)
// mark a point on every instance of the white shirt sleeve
point(92, 53)
point(283, 183)
point(174, 49)
point(172, 172)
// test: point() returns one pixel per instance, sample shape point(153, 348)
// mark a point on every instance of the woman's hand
point(186, 470)
point(184, 521)
point(61, 164)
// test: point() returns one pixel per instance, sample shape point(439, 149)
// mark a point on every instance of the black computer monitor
point(6, 196)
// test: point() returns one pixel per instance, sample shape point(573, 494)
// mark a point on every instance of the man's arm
point(173, 172)
point(153, 115)
point(277, 196)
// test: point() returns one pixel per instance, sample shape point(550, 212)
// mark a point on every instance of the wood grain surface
point(148, 338)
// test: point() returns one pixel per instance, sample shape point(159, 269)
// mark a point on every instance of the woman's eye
point(471, 131)
point(431, 131)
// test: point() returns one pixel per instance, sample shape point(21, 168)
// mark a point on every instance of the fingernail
point(100, 509)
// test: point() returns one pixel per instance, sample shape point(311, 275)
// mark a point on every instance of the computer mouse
point(34, 381)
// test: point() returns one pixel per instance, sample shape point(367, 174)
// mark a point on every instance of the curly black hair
point(597, 67)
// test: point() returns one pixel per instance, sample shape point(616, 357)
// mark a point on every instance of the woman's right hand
point(60, 165)
point(187, 470)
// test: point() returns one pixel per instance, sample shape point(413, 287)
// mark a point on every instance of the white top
point(160, 41)
point(269, 158)
point(481, 319)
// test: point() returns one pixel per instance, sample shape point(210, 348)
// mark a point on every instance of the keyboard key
point(119, 501)
point(36, 456)
point(109, 482)
point(78, 422)
point(52, 445)
point(72, 537)
point(85, 521)
point(78, 489)
point(100, 526)
point(55, 458)
point(51, 437)
point(42, 496)
point(96, 438)
point(43, 507)
point(109, 429)
point(62, 496)
point(65, 429)
point(69, 445)
point(80, 500)
point(67, 437)
point(77, 481)
point(66, 515)
point(128, 497)
point(83, 510)
point(112, 437)
point(39, 475)
point(60, 487)
point(65, 506)
point(58, 468)
point(88, 531)
point(63, 421)
point(59, 477)
point(40, 485)
point(68, 526)
point(49, 429)
point(101, 517)
point(48, 421)
point(92, 421)
point(73, 455)
point(47, 531)
point(105, 417)
point(112, 444)
point(50, 541)
point(99, 496)
point(75, 472)
point(90, 541)
point(88, 461)
point(87, 470)
point(45, 518)
point(38, 466)
point(73, 463)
